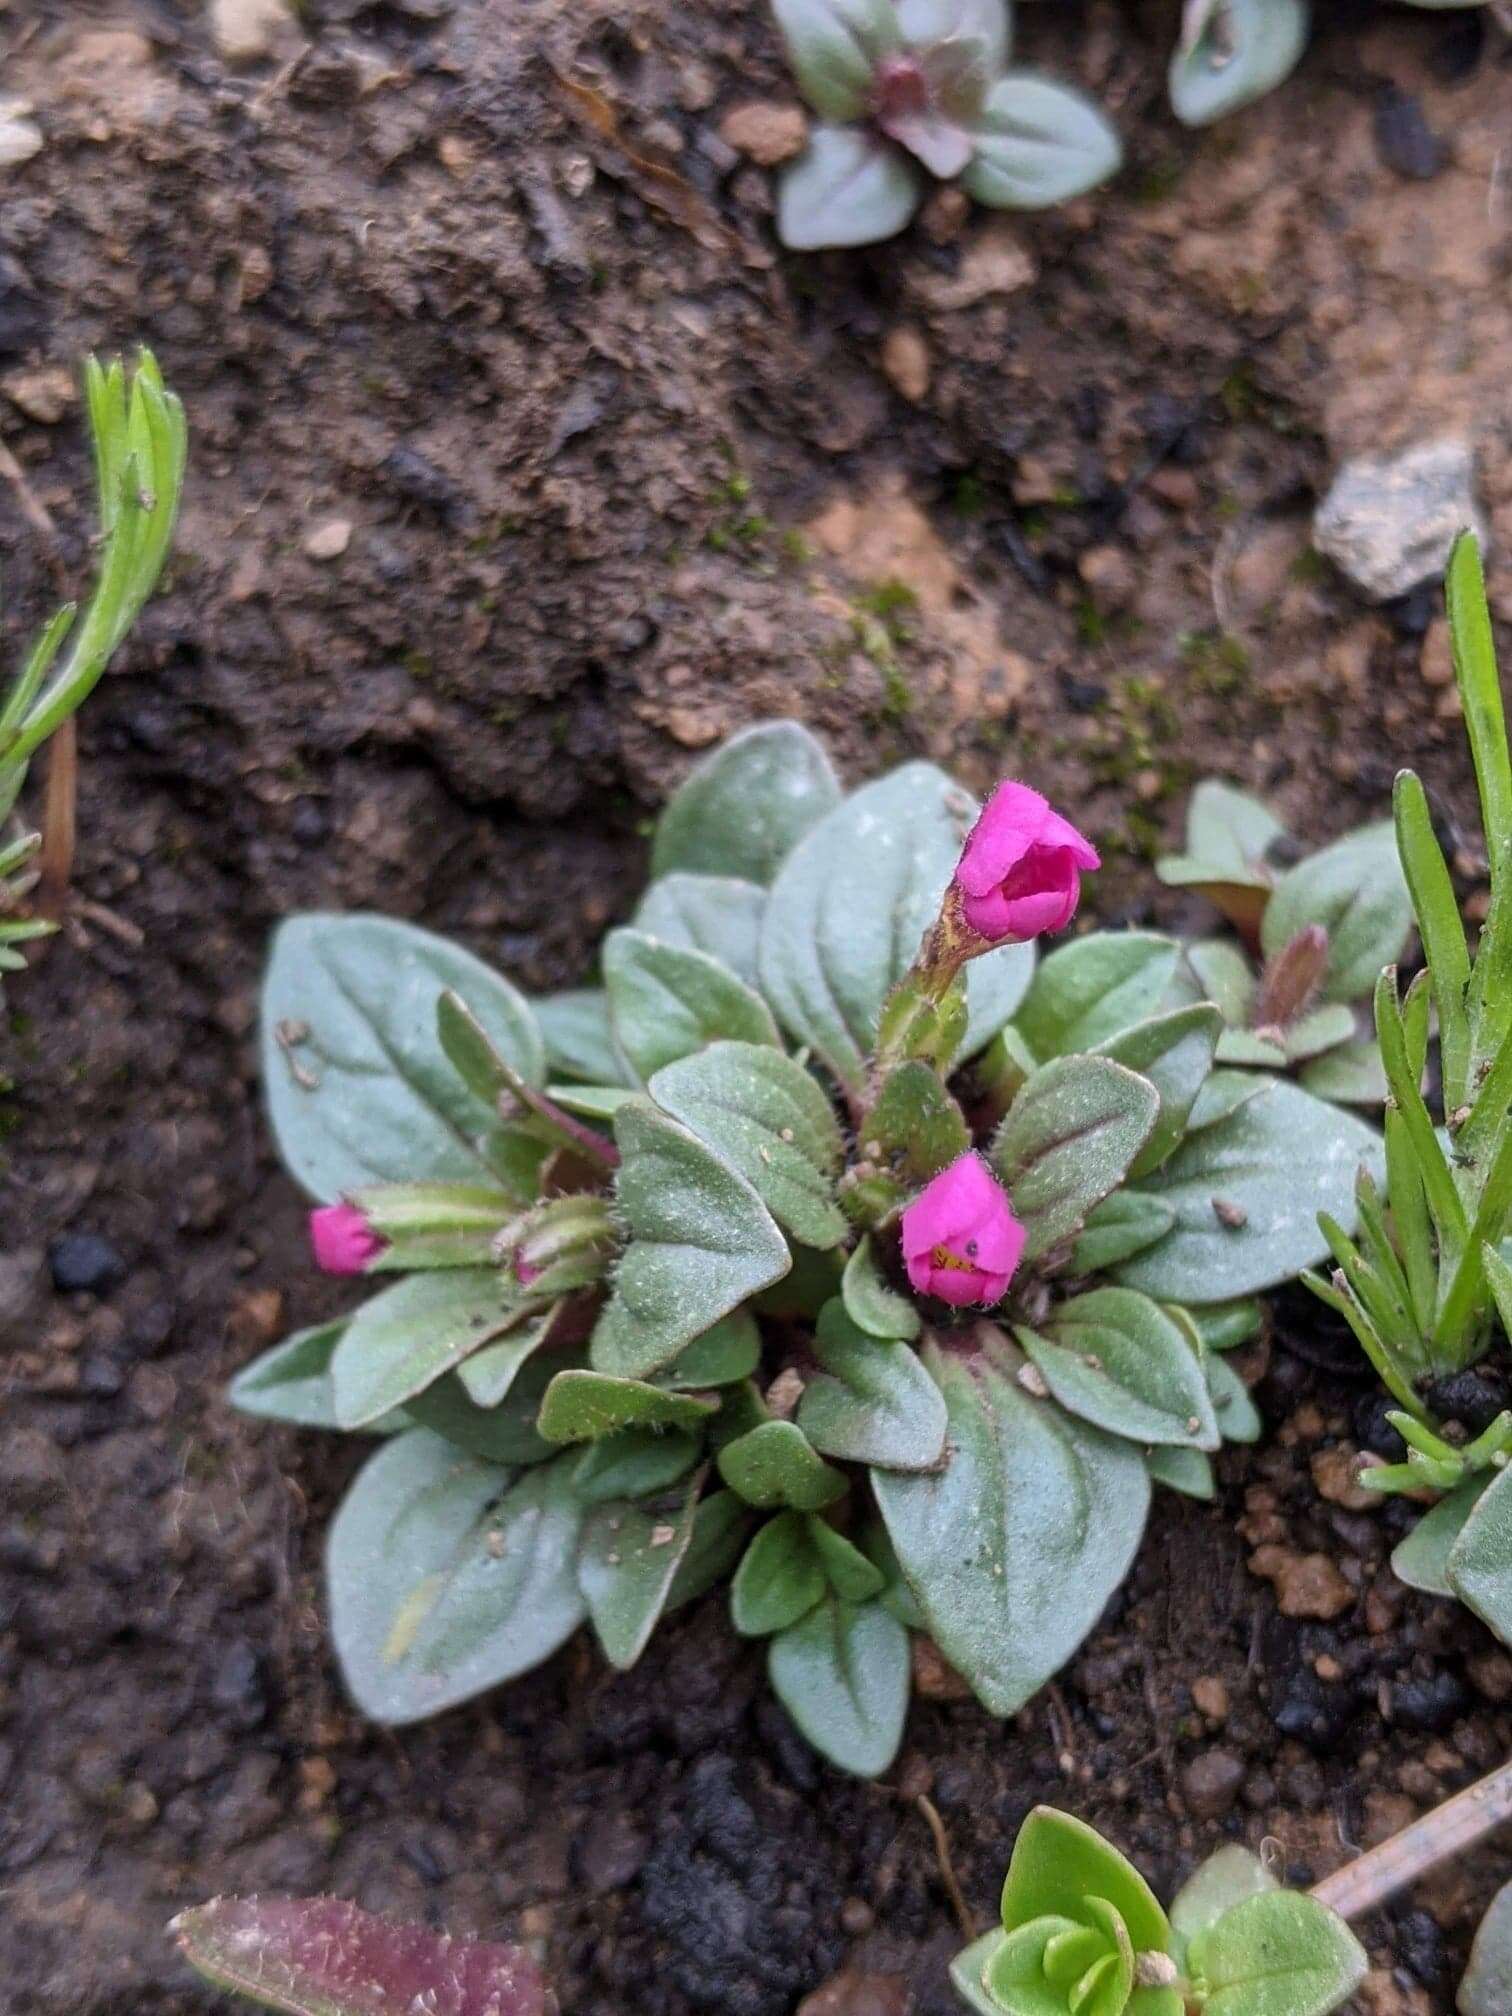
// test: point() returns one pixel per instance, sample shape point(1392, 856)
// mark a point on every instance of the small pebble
point(1210, 1784)
point(905, 361)
point(1211, 1698)
point(237, 1688)
point(764, 131)
point(1306, 1585)
point(1430, 1705)
point(20, 136)
point(328, 541)
point(1405, 141)
point(1436, 660)
point(1336, 1473)
point(1420, 1947)
point(83, 1263)
point(247, 31)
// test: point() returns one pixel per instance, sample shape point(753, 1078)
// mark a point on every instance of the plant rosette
point(1312, 937)
point(832, 1244)
point(917, 89)
point(1083, 1935)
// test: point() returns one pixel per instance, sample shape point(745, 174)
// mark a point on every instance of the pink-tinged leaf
point(930, 137)
point(319, 1956)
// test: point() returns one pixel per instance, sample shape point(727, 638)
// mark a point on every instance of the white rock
point(328, 541)
point(1388, 521)
point(246, 31)
point(20, 136)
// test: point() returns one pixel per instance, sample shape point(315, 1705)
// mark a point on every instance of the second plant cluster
point(909, 91)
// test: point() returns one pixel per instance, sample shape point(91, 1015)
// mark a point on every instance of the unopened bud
point(1292, 978)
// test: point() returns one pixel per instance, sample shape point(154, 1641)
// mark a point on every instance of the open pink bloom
point(1020, 871)
point(343, 1240)
point(961, 1241)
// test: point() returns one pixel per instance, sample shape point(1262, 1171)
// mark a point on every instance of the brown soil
point(575, 410)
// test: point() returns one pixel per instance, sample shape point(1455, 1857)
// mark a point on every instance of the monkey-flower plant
point(850, 1239)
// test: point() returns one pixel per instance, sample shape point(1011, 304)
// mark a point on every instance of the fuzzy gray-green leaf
point(1014, 1547)
point(843, 1676)
point(1070, 1138)
point(701, 1243)
point(444, 1579)
point(768, 1118)
point(358, 1088)
point(1119, 1361)
point(667, 1001)
point(1247, 1191)
point(742, 809)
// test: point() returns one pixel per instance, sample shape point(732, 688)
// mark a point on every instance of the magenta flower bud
point(961, 1241)
point(343, 1240)
point(1020, 871)
point(526, 1271)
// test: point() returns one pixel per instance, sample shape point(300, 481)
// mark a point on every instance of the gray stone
point(23, 1294)
point(1388, 521)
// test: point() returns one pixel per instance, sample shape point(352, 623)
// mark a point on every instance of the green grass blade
point(1438, 1183)
point(1480, 693)
point(1375, 1242)
point(38, 664)
point(1464, 1307)
point(1489, 997)
point(1490, 1110)
point(1411, 1221)
point(1439, 926)
point(1389, 1321)
point(1336, 1294)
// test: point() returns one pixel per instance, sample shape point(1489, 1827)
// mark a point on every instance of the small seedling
point(1312, 939)
point(917, 89)
point(1083, 1935)
point(139, 450)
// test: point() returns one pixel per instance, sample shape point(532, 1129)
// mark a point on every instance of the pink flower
point(343, 1240)
point(961, 1241)
point(526, 1272)
point(1020, 871)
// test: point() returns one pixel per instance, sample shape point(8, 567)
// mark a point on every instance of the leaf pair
point(838, 1659)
